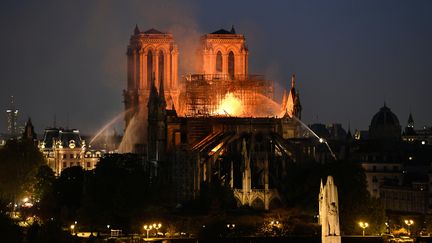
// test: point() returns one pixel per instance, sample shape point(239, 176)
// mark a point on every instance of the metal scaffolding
point(204, 92)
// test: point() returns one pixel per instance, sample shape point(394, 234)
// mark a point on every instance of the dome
point(384, 124)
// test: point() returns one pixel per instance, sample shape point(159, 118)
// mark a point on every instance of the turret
point(29, 133)
point(136, 30)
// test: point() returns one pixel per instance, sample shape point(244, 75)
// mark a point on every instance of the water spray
point(321, 140)
point(109, 124)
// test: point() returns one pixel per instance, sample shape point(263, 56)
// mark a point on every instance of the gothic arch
point(257, 203)
point(219, 61)
point(231, 64)
point(161, 65)
point(232, 49)
point(150, 66)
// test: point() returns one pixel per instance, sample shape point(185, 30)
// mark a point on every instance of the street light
point(157, 227)
point(231, 226)
point(72, 227)
point(387, 227)
point(148, 228)
point(363, 225)
point(275, 223)
point(409, 222)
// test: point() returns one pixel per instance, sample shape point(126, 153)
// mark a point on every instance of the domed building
point(385, 125)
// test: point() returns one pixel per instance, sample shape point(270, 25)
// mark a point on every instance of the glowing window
point(161, 66)
point(231, 64)
point(219, 62)
point(149, 67)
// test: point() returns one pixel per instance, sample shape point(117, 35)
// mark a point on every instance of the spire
point(410, 121)
point(410, 118)
point(162, 90)
point(293, 81)
point(29, 132)
point(349, 135)
point(162, 101)
point(232, 30)
point(136, 30)
point(153, 92)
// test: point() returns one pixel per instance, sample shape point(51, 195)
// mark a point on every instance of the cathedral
point(218, 124)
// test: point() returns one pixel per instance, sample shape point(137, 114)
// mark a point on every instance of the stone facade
point(64, 148)
point(150, 55)
point(224, 52)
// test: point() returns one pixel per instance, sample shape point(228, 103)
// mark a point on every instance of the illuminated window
point(231, 64)
point(219, 62)
point(149, 67)
point(161, 66)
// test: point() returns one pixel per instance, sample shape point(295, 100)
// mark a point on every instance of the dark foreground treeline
point(121, 193)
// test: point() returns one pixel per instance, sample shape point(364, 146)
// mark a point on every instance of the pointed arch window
point(161, 66)
point(231, 64)
point(219, 62)
point(149, 68)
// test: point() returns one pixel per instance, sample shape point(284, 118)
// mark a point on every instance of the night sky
point(68, 58)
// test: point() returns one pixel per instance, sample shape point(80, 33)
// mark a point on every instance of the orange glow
point(230, 105)
point(215, 149)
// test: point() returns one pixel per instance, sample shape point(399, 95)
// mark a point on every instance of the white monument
point(329, 212)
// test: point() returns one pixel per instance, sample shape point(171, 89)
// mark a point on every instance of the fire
point(230, 105)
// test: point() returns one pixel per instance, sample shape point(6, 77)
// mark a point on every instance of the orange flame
point(230, 105)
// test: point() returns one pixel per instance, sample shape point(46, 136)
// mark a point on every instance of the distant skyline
point(67, 58)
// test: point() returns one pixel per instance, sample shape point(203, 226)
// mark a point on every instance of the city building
point(12, 118)
point(397, 165)
point(64, 148)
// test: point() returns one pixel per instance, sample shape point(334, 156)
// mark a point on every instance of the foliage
point(68, 190)
point(19, 161)
point(117, 192)
point(44, 181)
point(49, 232)
point(11, 232)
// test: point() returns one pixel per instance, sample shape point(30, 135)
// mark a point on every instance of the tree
point(10, 231)
point(117, 192)
point(44, 181)
point(68, 189)
point(19, 161)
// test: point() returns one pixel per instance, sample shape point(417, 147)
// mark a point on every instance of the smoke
point(187, 36)
point(135, 133)
point(178, 18)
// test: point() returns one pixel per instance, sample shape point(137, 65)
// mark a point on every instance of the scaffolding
point(204, 92)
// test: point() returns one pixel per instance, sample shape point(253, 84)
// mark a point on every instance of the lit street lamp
point(363, 225)
point(72, 227)
point(157, 227)
point(409, 222)
point(231, 226)
point(148, 228)
point(275, 223)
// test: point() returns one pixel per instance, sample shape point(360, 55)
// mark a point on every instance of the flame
point(230, 105)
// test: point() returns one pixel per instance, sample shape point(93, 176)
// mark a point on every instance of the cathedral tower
point(151, 53)
point(225, 53)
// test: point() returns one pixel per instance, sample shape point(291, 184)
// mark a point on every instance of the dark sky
point(67, 58)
